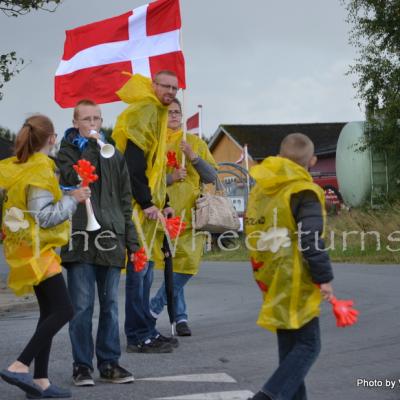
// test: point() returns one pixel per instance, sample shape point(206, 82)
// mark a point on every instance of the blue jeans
point(81, 286)
point(158, 302)
point(139, 323)
point(298, 350)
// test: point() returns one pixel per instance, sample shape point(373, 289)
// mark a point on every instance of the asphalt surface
point(223, 305)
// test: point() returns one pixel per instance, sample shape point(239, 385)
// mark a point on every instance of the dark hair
point(175, 100)
point(84, 102)
point(32, 136)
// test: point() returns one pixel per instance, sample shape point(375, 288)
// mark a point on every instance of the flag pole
point(184, 126)
point(183, 104)
point(246, 163)
point(200, 107)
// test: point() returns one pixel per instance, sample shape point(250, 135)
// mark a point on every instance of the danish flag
point(144, 40)
point(193, 123)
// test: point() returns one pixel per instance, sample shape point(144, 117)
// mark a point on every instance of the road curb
point(11, 303)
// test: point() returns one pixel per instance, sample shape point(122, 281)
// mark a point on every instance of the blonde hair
point(298, 148)
point(33, 136)
point(84, 102)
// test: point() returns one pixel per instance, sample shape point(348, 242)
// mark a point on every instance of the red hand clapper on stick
point(86, 172)
point(175, 226)
point(172, 161)
point(139, 259)
point(344, 313)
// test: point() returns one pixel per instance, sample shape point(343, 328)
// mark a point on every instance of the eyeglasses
point(168, 87)
point(174, 112)
point(88, 120)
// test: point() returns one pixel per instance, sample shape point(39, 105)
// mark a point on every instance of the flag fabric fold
point(144, 40)
point(193, 123)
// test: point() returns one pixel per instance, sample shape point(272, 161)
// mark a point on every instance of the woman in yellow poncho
point(184, 185)
point(34, 223)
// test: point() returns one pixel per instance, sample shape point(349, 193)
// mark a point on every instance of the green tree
point(5, 133)
point(10, 64)
point(376, 34)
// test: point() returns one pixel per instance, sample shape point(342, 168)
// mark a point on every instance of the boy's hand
point(326, 291)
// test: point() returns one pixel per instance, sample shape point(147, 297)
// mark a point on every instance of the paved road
point(223, 303)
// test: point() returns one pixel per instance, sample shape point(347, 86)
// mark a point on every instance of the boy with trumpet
point(96, 256)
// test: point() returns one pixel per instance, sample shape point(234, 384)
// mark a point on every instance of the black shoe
point(81, 376)
point(173, 341)
point(153, 346)
point(114, 373)
point(182, 329)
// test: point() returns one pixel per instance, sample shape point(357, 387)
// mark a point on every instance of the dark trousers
point(298, 350)
point(55, 311)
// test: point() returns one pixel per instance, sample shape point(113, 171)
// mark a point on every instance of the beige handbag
point(215, 212)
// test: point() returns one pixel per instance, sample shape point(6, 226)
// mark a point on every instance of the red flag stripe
point(109, 30)
point(193, 122)
point(97, 83)
point(163, 16)
point(171, 61)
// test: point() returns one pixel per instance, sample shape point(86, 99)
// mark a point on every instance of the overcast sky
point(247, 61)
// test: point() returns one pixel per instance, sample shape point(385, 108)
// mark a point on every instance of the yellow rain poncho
point(29, 249)
point(182, 198)
point(144, 122)
point(290, 298)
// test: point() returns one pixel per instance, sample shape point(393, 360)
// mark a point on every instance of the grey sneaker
point(114, 373)
point(153, 346)
point(81, 376)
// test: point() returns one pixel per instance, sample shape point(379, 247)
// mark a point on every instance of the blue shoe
point(23, 380)
point(52, 392)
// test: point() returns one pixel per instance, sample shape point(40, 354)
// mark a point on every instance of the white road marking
point(218, 377)
point(232, 395)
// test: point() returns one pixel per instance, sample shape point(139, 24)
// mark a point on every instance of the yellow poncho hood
point(276, 172)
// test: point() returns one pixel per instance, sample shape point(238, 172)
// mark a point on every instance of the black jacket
point(306, 210)
point(111, 201)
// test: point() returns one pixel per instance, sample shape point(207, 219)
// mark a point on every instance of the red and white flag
point(145, 41)
point(193, 123)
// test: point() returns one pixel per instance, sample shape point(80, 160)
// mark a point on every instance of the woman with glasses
point(184, 186)
point(34, 223)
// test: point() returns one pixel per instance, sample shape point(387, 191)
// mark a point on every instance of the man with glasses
point(140, 133)
point(96, 257)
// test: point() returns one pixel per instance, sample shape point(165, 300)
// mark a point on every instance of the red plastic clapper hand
point(171, 160)
point(344, 313)
point(86, 172)
point(175, 226)
point(139, 259)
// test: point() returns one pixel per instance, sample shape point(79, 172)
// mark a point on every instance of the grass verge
point(356, 236)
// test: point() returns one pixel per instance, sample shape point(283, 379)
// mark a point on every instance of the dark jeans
point(158, 302)
point(298, 350)
point(82, 279)
point(55, 311)
point(139, 323)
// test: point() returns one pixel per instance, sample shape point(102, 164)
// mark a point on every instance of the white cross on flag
point(145, 41)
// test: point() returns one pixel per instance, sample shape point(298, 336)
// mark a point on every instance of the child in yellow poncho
point(284, 227)
point(35, 222)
